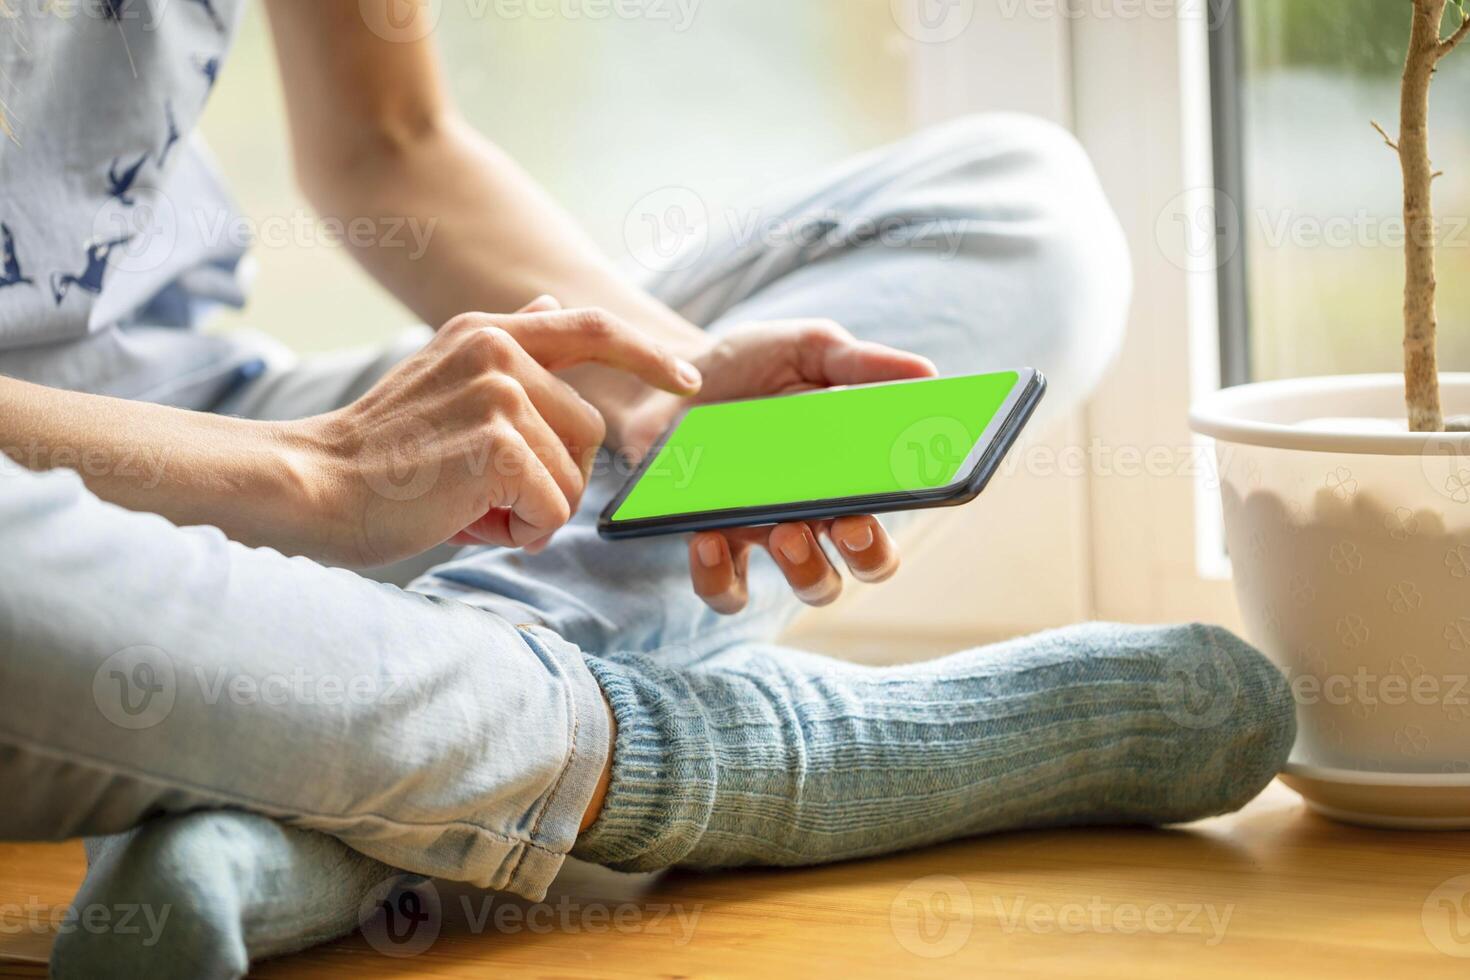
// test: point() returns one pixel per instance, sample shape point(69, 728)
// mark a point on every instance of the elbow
point(335, 164)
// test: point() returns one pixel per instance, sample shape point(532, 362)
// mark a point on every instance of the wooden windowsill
point(1272, 890)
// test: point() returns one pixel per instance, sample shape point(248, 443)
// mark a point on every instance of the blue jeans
point(453, 729)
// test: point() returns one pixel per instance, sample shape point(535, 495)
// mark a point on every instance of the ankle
point(599, 795)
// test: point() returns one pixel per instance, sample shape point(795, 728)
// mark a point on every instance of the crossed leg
point(983, 244)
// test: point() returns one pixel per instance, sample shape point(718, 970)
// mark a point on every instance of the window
point(1311, 269)
point(723, 97)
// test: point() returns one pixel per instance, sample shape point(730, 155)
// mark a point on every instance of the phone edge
point(954, 495)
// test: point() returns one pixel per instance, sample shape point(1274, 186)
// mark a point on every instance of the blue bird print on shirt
point(209, 68)
point(171, 133)
point(122, 181)
point(214, 17)
point(98, 252)
point(10, 274)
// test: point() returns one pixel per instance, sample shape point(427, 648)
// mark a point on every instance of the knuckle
point(495, 339)
point(824, 329)
point(490, 348)
point(501, 392)
point(596, 427)
point(596, 323)
point(560, 510)
point(463, 322)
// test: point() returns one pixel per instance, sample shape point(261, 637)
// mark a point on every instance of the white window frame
point(1131, 79)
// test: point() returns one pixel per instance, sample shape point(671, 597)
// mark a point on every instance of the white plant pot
point(1350, 543)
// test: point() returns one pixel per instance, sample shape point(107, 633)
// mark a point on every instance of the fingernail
point(689, 374)
point(860, 539)
point(710, 552)
point(797, 550)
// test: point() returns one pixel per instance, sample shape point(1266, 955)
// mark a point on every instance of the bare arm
point(473, 439)
point(180, 464)
point(375, 136)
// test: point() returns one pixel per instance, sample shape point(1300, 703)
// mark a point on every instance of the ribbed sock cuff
point(663, 785)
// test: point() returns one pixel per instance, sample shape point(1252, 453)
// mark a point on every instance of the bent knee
point(1025, 202)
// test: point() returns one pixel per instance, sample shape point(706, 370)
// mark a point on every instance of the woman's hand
point(473, 439)
point(777, 358)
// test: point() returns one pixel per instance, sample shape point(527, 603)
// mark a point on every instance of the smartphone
point(865, 449)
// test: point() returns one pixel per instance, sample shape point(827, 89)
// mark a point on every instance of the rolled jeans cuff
point(556, 826)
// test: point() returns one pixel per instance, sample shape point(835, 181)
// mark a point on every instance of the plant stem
point(1421, 371)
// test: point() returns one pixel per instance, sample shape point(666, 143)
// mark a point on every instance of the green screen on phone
point(819, 445)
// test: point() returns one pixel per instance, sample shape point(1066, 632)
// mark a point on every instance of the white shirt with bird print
point(116, 234)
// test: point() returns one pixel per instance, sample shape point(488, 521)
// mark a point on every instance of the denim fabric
point(1011, 257)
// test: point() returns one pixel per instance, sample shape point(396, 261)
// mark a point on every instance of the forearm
point(483, 236)
point(241, 476)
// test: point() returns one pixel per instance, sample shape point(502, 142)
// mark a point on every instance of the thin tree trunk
point(1421, 372)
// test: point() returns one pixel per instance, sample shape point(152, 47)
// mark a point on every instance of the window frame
point(1135, 89)
point(1226, 53)
point(1144, 113)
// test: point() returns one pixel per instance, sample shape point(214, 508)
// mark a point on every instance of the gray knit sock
point(214, 891)
point(762, 755)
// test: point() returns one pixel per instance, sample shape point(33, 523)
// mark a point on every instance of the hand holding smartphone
point(865, 449)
